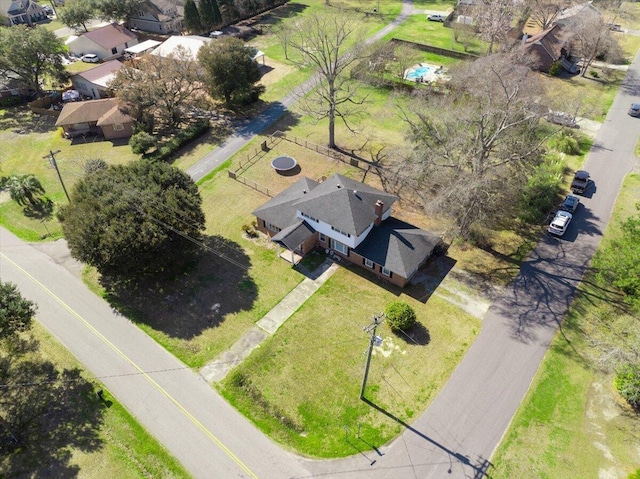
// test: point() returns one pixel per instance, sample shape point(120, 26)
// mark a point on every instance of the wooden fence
point(323, 150)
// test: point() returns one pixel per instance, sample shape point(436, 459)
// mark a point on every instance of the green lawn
point(418, 29)
point(572, 423)
point(122, 447)
point(302, 385)
point(25, 139)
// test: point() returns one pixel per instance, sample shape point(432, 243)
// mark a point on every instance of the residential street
point(454, 438)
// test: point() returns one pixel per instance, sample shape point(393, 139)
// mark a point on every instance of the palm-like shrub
point(23, 189)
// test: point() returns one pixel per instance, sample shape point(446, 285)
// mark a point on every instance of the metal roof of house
point(192, 43)
point(142, 47)
point(97, 73)
point(110, 36)
point(398, 246)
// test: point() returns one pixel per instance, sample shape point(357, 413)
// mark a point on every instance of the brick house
point(107, 117)
point(351, 220)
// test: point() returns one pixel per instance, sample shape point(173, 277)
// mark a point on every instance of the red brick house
point(350, 219)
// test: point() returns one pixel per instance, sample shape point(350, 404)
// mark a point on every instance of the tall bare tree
point(474, 148)
point(493, 19)
point(592, 38)
point(163, 89)
point(331, 42)
point(544, 12)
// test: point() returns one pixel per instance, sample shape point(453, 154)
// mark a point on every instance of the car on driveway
point(570, 203)
point(560, 223)
point(437, 17)
point(47, 9)
point(90, 58)
point(580, 182)
point(634, 110)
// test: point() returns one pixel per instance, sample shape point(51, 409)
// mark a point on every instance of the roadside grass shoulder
point(302, 385)
point(572, 423)
point(125, 449)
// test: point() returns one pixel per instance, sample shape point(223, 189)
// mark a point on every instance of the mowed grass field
point(572, 423)
point(302, 385)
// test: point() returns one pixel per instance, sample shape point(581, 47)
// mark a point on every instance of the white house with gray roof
point(351, 219)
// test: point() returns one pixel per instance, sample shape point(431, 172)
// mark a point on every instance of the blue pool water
point(418, 73)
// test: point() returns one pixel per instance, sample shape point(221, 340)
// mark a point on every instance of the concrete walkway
point(218, 369)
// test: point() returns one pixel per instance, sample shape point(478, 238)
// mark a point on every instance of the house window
point(368, 263)
point(118, 127)
point(323, 238)
point(341, 232)
point(385, 272)
point(309, 217)
point(114, 50)
point(271, 227)
point(340, 247)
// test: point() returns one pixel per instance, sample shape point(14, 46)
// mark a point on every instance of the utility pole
point(52, 159)
point(373, 341)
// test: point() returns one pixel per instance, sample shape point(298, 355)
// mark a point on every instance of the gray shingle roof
point(294, 235)
point(398, 246)
point(344, 203)
point(280, 211)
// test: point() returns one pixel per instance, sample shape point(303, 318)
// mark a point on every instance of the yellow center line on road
point(126, 358)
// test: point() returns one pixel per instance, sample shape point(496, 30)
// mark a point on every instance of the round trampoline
point(283, 163)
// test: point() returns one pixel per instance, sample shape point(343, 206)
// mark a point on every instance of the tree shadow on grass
point(213, 286)
point(47, 415)
point(417, 334)
point(20, 120)
point(41, 210)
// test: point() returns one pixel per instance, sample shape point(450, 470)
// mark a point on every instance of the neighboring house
point(107, 42)
point(576, 12)
point(107, 117)
point(550, 45)
point(191, 43)
point(95, 81)
point(15, 12)
point(158, 16)
point(350, 219)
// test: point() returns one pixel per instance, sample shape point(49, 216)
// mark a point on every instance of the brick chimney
point(379, 207)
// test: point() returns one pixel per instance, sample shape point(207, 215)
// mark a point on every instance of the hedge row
point(183, 137)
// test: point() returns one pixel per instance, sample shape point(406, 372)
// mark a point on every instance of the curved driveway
point(453, 438)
